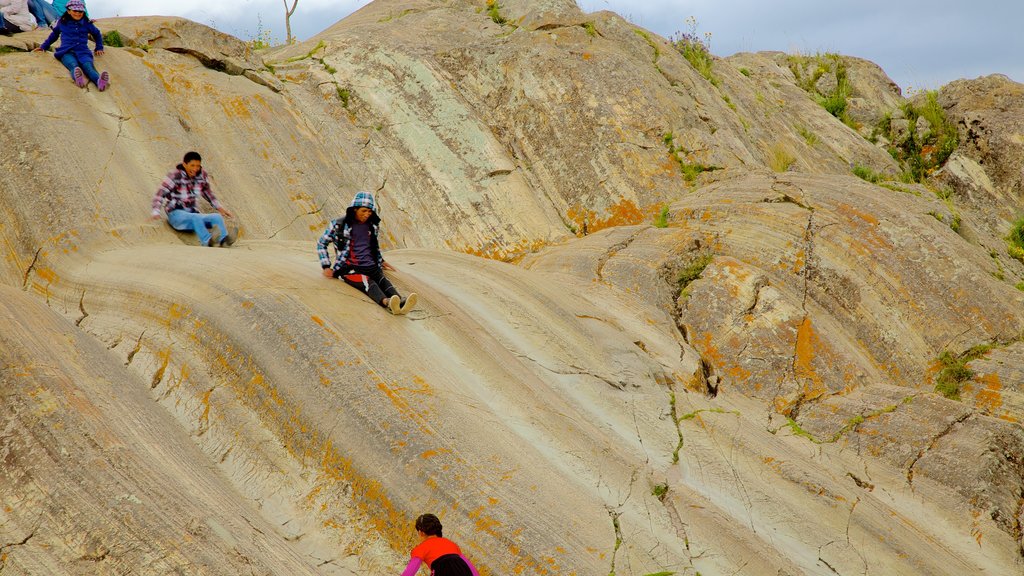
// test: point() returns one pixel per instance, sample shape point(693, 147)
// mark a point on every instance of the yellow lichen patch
point(708, 350)
point(806, 341)
point(512, 253)
point(989, 398)
point(236, 108)
point(204, 418)
point(849, 211)
point(47, 274)
point(799, 262)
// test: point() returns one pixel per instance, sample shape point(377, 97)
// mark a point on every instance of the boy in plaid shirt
point(178, 195)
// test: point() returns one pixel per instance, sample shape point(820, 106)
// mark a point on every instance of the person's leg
point(184, 221)
point(49, 13)
point(89, 68)
point(71, 63)
point(382, 281)
point(216, 219)
point(365, 284)
point(37, 13)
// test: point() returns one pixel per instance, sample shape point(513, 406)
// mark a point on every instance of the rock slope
point(663, 328)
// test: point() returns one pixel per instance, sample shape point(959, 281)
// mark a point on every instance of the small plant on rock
point(955, 372)
point(1015, 240)
point(779, 157)
point(693, 269)
point(660, 490)
point(661, 220)
point(696, 50)
point(113, 38)
point(866, 174)
point(494, 11)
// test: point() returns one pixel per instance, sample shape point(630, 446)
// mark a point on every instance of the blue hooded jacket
point(74, 35)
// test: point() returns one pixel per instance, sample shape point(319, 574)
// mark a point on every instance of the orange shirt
point(433, 548)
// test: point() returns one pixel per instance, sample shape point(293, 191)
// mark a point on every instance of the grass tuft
point(661, 220)
point(867, 174)
point(779, 157)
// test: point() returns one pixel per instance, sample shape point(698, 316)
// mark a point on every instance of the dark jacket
point(74, 38)
point(340, 234)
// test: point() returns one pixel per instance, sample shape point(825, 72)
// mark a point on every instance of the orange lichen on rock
point(989, 398)
point(806, 341)
point(625, 212)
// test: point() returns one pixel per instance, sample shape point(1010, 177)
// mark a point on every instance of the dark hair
point(429, 525)
point(190, 156)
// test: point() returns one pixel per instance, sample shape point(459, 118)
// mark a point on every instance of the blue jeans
point(70, 62)
point(44, 12)
point(183, 221)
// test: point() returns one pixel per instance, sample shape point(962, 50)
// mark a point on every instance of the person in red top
point(440, 554)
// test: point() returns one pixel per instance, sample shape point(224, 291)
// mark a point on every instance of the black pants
point(369, 279)
point(450, 565)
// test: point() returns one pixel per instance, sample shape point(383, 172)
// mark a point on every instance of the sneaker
point(209, 243)
point(395, 305)
point(227, 240)
point(103, 82)
point(80, 79)
point(408, 303)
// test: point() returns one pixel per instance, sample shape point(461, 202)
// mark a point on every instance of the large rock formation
point(698, 343)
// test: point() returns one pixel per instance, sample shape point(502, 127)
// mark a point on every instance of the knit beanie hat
point(76, 5)
point(362, 199)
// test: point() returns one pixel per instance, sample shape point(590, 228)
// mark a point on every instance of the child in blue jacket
point(74, 30)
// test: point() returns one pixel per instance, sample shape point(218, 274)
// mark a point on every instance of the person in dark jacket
point(74, 30)
point(359, 261)
point(178, 195)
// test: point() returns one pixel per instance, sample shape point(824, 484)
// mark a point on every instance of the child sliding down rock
point(74, 30)
point(359, 261)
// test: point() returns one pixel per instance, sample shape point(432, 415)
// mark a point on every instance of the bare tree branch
point(288, 19)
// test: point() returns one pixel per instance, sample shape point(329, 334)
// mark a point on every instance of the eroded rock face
point(747, 386)
point(986, 171)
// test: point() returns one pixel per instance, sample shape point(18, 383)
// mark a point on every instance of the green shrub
point(955, 372)
point(745, 72)
point(589, 27)
point(922, 154)
point(1016, 235)
point(661, 220)
point(344, 95)
point(1020, 286)
point(113, 38)
point(779, 157)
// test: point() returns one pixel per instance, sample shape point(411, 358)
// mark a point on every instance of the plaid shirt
point(179, 191)
point(339, 233)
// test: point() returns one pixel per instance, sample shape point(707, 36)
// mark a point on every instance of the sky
point(921, 44)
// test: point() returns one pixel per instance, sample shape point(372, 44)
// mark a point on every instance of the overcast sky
point(919, 43)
